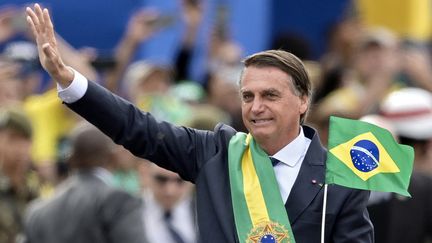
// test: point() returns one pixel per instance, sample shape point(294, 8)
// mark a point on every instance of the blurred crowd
point(45, 150)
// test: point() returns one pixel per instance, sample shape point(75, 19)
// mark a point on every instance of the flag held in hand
point(365, 156)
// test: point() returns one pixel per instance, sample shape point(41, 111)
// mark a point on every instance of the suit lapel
point(309, 180)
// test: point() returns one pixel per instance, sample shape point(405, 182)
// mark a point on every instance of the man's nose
point(257, 105)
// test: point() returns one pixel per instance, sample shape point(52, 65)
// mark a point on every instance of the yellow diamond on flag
point(365, 156)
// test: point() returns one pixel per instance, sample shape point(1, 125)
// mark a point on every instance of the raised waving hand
point(42, 28)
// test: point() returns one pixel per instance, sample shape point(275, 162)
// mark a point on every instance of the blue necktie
point(173, 232)
point(274, 161)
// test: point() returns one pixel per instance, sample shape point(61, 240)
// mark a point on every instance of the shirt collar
point(294, 151)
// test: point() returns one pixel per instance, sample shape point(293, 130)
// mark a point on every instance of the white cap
point(139, 71)
point(410, 111)
point(380, 121)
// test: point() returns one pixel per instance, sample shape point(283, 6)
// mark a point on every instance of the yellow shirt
point(51, 120)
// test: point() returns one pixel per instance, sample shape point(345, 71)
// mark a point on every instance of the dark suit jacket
point(202, 156)
point(86, 210)
point(402, 219)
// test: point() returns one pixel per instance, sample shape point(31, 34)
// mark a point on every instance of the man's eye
point(271, 95)
point(247, 97)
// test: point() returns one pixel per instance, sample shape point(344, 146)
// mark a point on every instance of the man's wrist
point(75, 90)
point(65, 76)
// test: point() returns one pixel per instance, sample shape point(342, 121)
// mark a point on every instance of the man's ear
point(304, 104)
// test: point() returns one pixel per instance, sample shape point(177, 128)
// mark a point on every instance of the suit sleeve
point(353, 224)
point(175, 148)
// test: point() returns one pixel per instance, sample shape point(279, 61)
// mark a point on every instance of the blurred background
point(180, 60)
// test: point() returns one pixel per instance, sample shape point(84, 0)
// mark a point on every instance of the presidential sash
point(259, 211)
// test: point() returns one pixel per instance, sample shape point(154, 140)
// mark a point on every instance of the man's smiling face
point(270, 108)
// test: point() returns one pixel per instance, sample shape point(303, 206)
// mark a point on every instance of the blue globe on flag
point(365, 155)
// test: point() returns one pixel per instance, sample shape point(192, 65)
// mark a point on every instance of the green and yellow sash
point(259, 211)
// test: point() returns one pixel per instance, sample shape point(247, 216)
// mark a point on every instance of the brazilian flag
point(365, 156)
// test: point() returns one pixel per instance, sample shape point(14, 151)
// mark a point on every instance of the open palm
point(42, 28)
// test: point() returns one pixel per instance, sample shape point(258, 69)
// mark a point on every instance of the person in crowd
point(149, 87)
point(416, 63)
point(24, 54)
point(87, 207)
point(410, 112)
point(223, 92)
point(275, 91)
point(397, 218)
point(370, 77)
point(169, 208)
point(141, 26)
point(11, 89)
point(125, 170)
point(17, 186)
point(342, 42)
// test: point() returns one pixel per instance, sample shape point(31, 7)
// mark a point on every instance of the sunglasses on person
point(162, 179)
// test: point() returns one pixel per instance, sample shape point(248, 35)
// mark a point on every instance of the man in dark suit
point(275, 92)
point(169, 208)
point(407, 113)
point(87, 207)
point(400, 219)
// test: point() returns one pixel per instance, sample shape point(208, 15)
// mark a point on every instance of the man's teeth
point(261, 120)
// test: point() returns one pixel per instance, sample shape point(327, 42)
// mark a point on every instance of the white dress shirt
point(291, 155)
